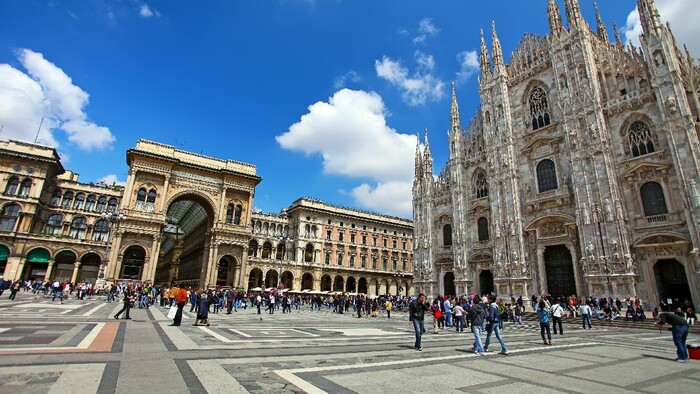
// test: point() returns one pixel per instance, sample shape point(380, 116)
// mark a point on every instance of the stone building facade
point(51, 224)
point(324, 247)
point(578, 174)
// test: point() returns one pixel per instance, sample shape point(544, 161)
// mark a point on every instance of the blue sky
point(324, 96)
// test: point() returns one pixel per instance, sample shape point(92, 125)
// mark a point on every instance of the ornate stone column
point(76, 268)
point(541, 268)
point(49, 270)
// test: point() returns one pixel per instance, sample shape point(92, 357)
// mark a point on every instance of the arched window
point(101, 203)
point(78, 227)
point(151, 196)
point(67, 200)
point(8, 217)
point(229, 214)
point(309, 253)
point(279, 253)
point(12, 185)
point(539, 109)
point(253, 248)
point(267, 250)
point(54, 225)
point(79, 201)
point(447, 235)
point(546, 176)
point(26, 186)
point(653, 199)
point(481, 188)
point(640, 139)
point(112, 205)
point(56, 198)
point(141, 195)
point(237, 214)
point(100, 231)
point(90, 202)
point(483, 228)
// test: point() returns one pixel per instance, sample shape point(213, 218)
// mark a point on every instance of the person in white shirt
point(557, 312)
point(585, 312)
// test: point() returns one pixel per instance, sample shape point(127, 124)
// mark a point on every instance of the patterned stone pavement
point(78, 347)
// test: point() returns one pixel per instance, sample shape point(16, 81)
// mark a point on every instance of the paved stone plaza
point(79, 347)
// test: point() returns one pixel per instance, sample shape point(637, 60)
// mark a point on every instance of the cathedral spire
point(498, 65)
point(649, 17)
point(454, 110)
point(618, 40)
point(418, 159)
point(602, 31)
point(555, 23)
point(485, 60)
point(427, 157)
point(573, 14)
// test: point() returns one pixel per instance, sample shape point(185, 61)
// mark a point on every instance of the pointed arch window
point(8, 217)
point(90, 202)
point(151, 196)
point(546, 176)
point(309, 253)
point(253, 248)
point(483, 228)
point(539, 108)
point(79, 201)
point(112, 205)
point(640, 139)
point(78, 227)
point(101, 203)
point(237, 213)
point(54, 225)
point(447, 235)
point(67, 200)
point(653, 200)
point(12, 185)
point(100, 231)
point(141, 195)
point(267, 250)
point(481, 188)
point(26, 186)
point(56, 198)
point(229, 214)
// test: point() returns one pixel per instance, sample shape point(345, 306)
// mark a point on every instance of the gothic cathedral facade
point(578, 174)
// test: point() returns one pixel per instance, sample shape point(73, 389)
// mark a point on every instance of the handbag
point(172, 312)
point(438, 314)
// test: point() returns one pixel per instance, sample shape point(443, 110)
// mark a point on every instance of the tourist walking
point(416, 317)
point(493, 325)
point(203, 313)
point(543, 318)
point(557, 312)
point(180, 301)
point(476, 318)
point(388, 306)
point(127, 304)
point(679, 331)
point(585, 312)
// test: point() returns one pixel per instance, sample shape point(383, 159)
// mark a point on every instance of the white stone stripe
point(87, 341)
point(93, 310)
point(290, 374)
point(215, 335)
point(178, 338)
point(4, 329)
point(215, 378)
point(240, 333)
point(79, 378)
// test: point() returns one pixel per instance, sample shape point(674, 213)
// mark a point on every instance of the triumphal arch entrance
point(187, 219)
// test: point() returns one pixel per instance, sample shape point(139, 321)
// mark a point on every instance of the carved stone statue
point(591, 251)
point(694, 195)
point(630, 265)
point(608, 211)
point(497, 230)
point(672, 106)
point(586, 216)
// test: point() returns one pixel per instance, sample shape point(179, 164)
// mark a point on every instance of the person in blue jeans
point(494, 326)
point(416, 317)
point(679, 331)
point(543, 318)
point(477, 318)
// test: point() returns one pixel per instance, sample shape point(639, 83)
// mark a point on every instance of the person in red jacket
point(181, 301)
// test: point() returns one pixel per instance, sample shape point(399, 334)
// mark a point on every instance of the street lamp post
point(283, 240)
point(113, 218)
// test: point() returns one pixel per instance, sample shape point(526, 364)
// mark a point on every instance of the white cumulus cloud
point(683, 16)
point(350, 133)
point(110, 180)
point(426, 29)
point(147, 12)
point(45, 91)
point(341, 81)
point(416, 89)
point(468, 65)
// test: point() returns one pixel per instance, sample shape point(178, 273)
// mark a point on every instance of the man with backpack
point(476, 318)
point(557, 313)
point(493, 325)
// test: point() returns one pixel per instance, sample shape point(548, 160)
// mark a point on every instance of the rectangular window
point(384, 241)
point(363, 261)
point(393, 244)
point(374, 263)
point(328, 234)
point(352, 238)
point(385, 264)
point(364, 240)
point(340, 259)
point(352, 260)
point(328, 258)
point(374, 241)
point(403, 245)
point(340, 236)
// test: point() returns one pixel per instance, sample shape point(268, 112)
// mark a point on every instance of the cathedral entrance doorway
point(672, 283)
point(449, 284)
point(486, 282)
point(559, 268)
point(307, 281)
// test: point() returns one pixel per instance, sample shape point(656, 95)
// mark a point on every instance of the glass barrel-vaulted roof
point(183, 217)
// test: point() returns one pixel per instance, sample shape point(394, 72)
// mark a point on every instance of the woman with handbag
point(437, 315)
